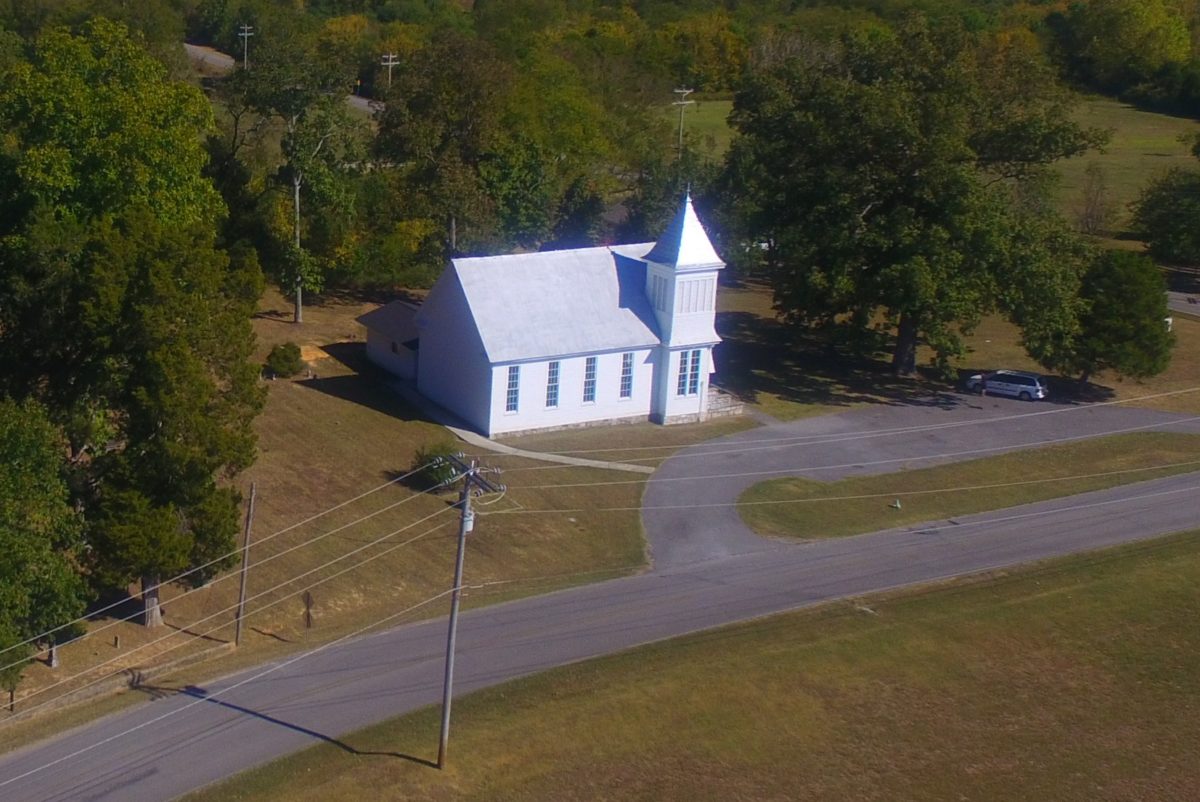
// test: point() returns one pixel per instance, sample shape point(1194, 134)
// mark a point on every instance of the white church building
point(556, 339)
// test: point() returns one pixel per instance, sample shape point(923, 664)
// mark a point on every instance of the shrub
point(430, 473)
point(284, 360)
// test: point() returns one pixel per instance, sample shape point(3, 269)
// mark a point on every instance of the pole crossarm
point(682, 103)
point(389, 60)
point(244, 33)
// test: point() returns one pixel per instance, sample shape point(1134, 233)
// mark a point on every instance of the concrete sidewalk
point(451, 421)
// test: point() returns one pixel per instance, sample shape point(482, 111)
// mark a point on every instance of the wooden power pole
point(473, 484)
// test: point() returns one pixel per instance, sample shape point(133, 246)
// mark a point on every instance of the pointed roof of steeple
point(685, 244)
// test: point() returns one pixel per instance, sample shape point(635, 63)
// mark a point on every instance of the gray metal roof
point(559, 303)
point(396, 320)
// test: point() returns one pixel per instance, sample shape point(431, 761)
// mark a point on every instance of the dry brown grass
point(1074, 680)
point(807, 509)
point(326, 439)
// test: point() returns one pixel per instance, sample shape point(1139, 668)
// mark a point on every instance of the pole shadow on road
point(201, 693)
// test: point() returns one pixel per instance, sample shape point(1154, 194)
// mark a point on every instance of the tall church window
point(552, 385)
point(514, 388)
point(689, 373)
point(589, 380)
point(626, 375)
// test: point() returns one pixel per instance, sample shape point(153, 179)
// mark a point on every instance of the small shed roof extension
point(396, 321)
point(559, 303)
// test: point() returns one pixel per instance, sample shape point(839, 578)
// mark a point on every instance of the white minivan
point(1014, 383)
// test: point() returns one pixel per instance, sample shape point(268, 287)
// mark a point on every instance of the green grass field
point(806, 509)
point(1143, 147)
point(1073, 680)
point(705, 125)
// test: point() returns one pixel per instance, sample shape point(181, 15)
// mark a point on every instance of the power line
point(263, 561)
point(93, 613)
point(223, 691)
point(811, 439)
point(429, 600)
point(222, 625)
point(795, 469)
point(857, 497)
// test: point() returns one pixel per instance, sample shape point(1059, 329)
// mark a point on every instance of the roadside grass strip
point(808, 509)
point(1074, 679)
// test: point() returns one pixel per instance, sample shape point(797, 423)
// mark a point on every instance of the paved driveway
point(186, 740)
point(865, 440)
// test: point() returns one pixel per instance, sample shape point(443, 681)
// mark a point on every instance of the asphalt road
point(1185, 303)
point(183, 741)
point(683, 526)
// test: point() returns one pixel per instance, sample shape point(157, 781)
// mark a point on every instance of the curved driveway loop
point(865, 440)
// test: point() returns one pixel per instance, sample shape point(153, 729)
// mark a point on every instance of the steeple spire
point(684, 244)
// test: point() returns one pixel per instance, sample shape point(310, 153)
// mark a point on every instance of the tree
point(94, 128)
point(914, 216)
point(1124, 326)
point(40, 584)
point(296, 81)
point(116, 309)
point(1096, 207)
point(100, 126)
point(441, 120)
point(1116, 44)
point(188, 395)
point(1167, 217)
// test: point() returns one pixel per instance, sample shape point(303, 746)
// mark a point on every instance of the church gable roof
point(685, 244)
point(559, 303)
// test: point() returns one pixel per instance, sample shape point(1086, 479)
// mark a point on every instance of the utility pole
point(390, 60)
point(241, 606)
point(682, 103)
point(244, 33)
point(473, 484)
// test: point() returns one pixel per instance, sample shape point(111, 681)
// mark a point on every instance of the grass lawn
point(1072, 680)
point(639, 443)
point(1144, 145)
point(806, 509)
point(995, 344)
point(705, 125)
point(329, 438)
point(789, 375)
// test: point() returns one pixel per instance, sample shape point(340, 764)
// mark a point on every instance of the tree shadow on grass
point(202, 694)
point(759, 355)
point(187, 631)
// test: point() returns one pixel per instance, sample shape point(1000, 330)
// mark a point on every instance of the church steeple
point(684, 245)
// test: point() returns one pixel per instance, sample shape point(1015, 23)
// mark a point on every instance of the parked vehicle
point(1014, 383)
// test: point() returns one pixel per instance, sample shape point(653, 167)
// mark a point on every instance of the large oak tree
point(883, 176)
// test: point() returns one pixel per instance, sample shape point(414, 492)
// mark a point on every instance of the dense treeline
point(887, 176)
point(126, 391)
